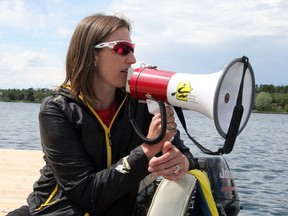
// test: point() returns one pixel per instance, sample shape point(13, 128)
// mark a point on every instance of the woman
point(94, 160)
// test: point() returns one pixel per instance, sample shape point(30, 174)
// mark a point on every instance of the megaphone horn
point(214, 95)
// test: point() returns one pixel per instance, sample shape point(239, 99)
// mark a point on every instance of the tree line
point(25, 95)
point(268, 98)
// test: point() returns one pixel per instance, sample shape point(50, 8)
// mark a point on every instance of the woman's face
point(111, 67)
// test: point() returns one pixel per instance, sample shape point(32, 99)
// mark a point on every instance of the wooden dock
point(19, 169)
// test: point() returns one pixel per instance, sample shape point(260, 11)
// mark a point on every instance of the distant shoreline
point(253, 111)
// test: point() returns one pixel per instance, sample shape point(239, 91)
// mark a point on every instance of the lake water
point(259, 161)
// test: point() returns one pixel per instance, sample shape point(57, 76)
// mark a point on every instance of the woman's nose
point(131, 58)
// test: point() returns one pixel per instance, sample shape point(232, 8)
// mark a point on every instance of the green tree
point(30, 96)
point(284, 100)
point(263, 101)
point(276, 98)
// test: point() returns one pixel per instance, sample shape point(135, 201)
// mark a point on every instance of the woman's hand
point(155, 129)
point(172, 165)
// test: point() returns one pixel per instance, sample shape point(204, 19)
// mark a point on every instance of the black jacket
point(86, 169)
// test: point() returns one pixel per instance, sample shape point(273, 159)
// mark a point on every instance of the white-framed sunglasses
point(121, 47)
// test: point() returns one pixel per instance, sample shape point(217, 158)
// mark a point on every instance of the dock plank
point(19, 169)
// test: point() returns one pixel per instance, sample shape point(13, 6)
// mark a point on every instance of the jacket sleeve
point(85, 186)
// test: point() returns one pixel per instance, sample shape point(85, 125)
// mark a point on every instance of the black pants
point(22, 211)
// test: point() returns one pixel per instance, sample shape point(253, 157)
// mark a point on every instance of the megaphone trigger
point(153, 106)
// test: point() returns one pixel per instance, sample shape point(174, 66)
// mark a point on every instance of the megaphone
point(214, 95)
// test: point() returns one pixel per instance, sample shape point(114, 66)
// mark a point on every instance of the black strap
point(180, 115)
point(234, 122)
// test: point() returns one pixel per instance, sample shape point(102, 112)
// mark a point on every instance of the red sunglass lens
point(123, 48)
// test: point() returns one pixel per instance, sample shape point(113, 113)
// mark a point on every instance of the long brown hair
point(80, 67)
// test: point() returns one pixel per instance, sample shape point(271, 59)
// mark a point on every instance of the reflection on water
point(259, 160)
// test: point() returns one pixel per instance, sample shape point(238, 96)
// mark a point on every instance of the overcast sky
point(188, 36)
